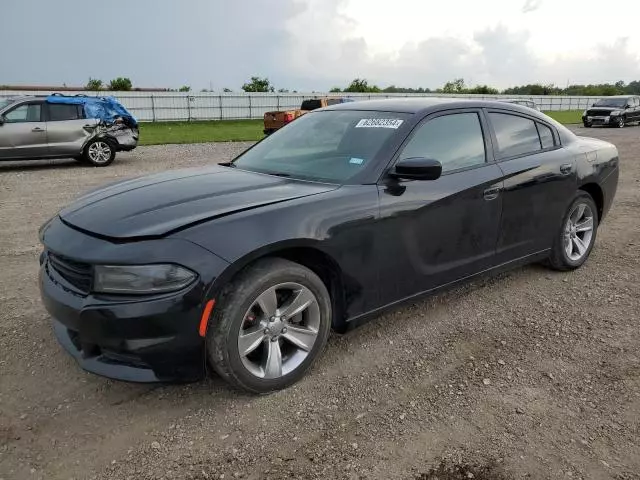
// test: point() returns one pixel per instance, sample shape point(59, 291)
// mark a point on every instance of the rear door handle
point(37, 129)
point(491, 193)
point(566, 168)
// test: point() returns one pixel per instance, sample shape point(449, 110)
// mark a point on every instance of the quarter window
point(29, 112)
point(59, 112)
point(455, 140)
point(515, 135)
point(546, 136)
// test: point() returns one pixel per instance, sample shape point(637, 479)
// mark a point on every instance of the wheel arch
point(597, 194)
point(304, 252)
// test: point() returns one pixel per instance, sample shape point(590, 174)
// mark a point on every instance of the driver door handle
point(491, 193)
point(37, 129)
point(566, 168)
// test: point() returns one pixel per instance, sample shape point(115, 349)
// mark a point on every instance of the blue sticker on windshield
point(356, 161)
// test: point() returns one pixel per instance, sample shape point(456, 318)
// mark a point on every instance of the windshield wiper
point(278, 174)
point(227, 164)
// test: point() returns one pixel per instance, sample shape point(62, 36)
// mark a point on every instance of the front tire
point(620, 123)
point(573, 244)
point(269, 326)
point(587, 124)
point(99, 153)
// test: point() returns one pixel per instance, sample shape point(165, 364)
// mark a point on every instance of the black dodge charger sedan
point(245, 267)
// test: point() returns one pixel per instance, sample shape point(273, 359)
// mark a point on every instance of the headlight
point(43, 228)
point(584, 114)
point(615, 112)
point(141, 278)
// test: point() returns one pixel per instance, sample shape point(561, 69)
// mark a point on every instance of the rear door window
point(546, 136)
point(59, 112)
point(516, 135)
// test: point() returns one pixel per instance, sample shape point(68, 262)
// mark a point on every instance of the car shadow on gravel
point(464, 471)
point(35, 165)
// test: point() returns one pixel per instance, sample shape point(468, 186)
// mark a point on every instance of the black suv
point(613, 111)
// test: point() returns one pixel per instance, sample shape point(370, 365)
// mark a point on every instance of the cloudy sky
point(316, 44)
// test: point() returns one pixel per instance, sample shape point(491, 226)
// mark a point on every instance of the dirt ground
point(532, 374)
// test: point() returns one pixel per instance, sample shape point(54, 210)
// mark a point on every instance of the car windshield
point(327, 146)
point(611, 102)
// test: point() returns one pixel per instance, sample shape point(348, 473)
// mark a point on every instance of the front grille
point(598, 113)
point(76, 273)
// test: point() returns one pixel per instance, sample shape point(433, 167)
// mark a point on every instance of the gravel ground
point(532, 374)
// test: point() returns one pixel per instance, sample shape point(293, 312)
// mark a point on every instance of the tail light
point(288, 117)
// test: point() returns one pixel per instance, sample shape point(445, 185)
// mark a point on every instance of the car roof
point(17, 99)
point(425, 105)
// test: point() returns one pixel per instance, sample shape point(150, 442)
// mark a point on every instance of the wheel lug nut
point(274, 338)
point(284, 330)
point(267, 331)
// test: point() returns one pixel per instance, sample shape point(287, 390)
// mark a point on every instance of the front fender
point(341, 224)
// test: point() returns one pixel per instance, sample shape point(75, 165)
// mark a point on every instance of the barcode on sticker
point(379, 123)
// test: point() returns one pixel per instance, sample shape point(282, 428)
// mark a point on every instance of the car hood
point(604, 109)
point(156, 205)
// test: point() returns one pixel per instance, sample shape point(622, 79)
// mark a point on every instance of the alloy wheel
point(279, 330)
point(578, 232)
point(99, 152)
point(621, 122)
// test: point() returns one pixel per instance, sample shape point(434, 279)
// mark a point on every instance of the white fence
point(174, 106)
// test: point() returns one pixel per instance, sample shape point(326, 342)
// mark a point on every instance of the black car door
point(539, 182)
point(435, 232)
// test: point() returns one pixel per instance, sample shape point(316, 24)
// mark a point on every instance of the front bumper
point(605, 120)
point(151, 338)
point(142, 341)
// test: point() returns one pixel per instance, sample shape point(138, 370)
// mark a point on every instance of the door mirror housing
point(417, 168)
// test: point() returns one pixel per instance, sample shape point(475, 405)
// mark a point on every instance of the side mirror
point(417, 168)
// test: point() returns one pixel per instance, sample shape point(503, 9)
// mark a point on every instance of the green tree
point(360, 85)
point(93, 84)
point(335, 90)
point(257, 84)
point(455, 86)
point(483, 89)
point(184, 88)
point(394, 89)
point(227, 90)
point(283, 90)
point(120, 84)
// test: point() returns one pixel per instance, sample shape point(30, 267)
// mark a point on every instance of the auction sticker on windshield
point(379, 123)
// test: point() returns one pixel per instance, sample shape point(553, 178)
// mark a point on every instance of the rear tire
point(574, 242)
point(262, 315)
point(99, 152)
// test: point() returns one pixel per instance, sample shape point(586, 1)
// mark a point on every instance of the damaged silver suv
point(89, 129)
